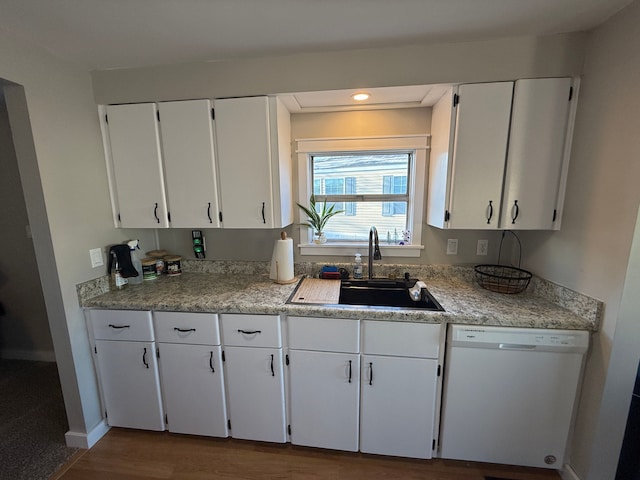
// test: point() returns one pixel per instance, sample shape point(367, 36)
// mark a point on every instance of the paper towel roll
point(282, 260)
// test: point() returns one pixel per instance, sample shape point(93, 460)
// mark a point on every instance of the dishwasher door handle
point(515, 346)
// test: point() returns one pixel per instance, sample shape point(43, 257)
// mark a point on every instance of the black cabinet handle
point(111, 325)
point(264, 220)
point(211, 363)
point(183, 330)
point(349, 371)
point(155, 213)
point(490, 215)
point(209, 212)
point(370, 373)
point(249, 332)
point(144, 358)
point(517, 212)
point(273, 374)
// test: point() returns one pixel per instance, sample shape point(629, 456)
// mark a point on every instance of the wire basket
point(503, 278)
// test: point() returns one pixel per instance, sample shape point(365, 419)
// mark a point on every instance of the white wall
point(24, 331)
point(591, 252)
point(59, 152)
point(499, 59)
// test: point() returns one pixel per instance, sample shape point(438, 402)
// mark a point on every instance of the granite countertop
point(254, 293)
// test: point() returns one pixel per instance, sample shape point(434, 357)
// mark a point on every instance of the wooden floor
point(138, 455)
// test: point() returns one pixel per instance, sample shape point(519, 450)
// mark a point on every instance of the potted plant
point(317, 220)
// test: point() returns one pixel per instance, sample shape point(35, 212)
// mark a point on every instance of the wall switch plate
point(96, 257)
point(483, 247)
point(452, 246)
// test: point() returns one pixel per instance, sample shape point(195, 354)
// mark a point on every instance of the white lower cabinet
point(255, 376)
point(398, 406)
point(399, 388)
point(324, 376)
point(128, 368)
point(190, 359)
point(224, 375)
point(324, 399)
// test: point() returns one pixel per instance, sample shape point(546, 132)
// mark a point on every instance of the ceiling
point(111, 34)
point(105, 34)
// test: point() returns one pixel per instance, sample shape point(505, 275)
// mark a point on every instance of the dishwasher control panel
point(523, 338)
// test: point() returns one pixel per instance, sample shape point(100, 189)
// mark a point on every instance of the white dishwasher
point(509, 394)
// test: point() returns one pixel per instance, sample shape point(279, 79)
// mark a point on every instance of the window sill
point(350, 249)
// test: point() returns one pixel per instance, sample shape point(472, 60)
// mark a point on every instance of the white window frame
point(418, 144)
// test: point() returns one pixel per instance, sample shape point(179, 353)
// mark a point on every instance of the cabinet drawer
point(129, 325)
point(401, 339)
point(324, 334)
point(251, 330)
point(189, 328)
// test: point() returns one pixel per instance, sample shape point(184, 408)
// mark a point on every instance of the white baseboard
point(568, 473)
point(86, 440)
point(32, 355)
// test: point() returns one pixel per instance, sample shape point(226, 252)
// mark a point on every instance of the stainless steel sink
point(385, 293)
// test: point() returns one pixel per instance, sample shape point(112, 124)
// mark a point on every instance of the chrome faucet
point(373, 242)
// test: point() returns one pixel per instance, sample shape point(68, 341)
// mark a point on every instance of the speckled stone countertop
point(225, 290)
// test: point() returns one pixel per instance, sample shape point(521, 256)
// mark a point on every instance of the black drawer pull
point(370, 373)
point(118, 327)
point(144, 358)
point(273, 374)
point(349, 371)
point(184, 330)
point(249, 332)
point(211, 363)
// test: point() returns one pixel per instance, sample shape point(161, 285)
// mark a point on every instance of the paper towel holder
point(276, 267)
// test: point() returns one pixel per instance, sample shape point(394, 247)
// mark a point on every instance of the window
point(376, 181)
point(394, 184)
point(359, 183)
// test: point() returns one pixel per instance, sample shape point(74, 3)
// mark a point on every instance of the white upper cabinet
point(189, 162)
point(162, 170)
point(499, 155)
point(254, 159)
point(539, 123)
point(136, 173)
point(465, 181)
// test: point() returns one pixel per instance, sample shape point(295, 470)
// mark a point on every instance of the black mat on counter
point(32, 421)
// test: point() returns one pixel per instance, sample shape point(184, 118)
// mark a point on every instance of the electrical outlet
point(96, 257)
point(452, 246)
point(483, 247)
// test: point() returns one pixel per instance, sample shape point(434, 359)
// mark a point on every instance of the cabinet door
point(244, 160)
point(324, 399)
point(256, 393)
point(536, 153)
point(137, 165)
point(398, 406)
point(130, 384)
point(189, 162)
point(480, 152)
point(193, 386)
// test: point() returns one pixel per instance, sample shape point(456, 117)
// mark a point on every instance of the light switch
point(452, 246)
point(96, 257)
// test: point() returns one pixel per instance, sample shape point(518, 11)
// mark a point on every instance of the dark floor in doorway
point(32, 421)
point(497, 478)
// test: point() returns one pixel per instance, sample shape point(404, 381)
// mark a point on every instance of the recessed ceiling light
point(360, 96)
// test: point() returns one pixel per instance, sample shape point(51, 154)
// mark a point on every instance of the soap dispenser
point(357, 266)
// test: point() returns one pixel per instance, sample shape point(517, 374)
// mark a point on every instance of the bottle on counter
point(136, 261)
point(357, 266)
point(118, 281)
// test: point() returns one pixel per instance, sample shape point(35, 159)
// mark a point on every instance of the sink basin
point(385, 293)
